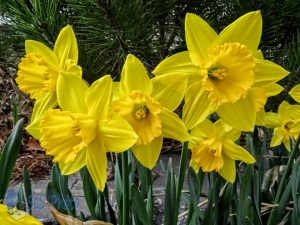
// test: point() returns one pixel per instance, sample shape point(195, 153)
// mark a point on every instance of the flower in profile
point(286, 124)
point(85, 129)
point(213, 149)
point(39, 71)
point(226, 73)
point(16, 217)
point(148, 105)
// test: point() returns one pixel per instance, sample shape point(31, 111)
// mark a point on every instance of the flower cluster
point(222, 73)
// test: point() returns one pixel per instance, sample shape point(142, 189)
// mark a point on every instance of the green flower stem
point(283, 180)
point(182, 168)
point(150, 196)
point(125, 178)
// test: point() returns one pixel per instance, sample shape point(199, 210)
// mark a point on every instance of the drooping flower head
point(39, 71)
point(147, 104)
point(213, 149)
point(286, 124)
point(227, 74)
point(86, 127)
point(16, 217)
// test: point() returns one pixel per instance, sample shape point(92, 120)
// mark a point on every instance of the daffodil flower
point(86, 127)
point(286, 124)
point(16, 217)
point(40, 69)
point(213, 149)
point(148, 105)
point(227, 74)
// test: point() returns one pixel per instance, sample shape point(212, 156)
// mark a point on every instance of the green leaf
point(90, 191)
point(170, 195)
point(295, 178)
point(138, 206)
point(27, 189)
point(9, 156)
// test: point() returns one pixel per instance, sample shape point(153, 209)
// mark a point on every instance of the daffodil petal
point(194, 165)
point(116, 90)
point(169, 90)
point(236, 152)
point(117, 134)
point(70, 93)
point(246, 30)
point(272, 120)
point(42, 50)
point(173, 127)
point(228, 171)
point(199, 37)
point(283, 110)
point(272, 89)
point(240, 114)
point(260, 118)
point(295, 93)
point(96, 163)
point(99, 96)
point(66, 46)
point(231, 133)
point(148, 155)
point(134, 77)
point(201, 132)
point(267, 72)
point(296, 127)
point(197, 106)
point(48, 101)
point(179, 64)
point(277, 137)
point(258, 54)
point(72, 167)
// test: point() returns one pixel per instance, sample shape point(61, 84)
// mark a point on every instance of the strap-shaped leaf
point(9, 156)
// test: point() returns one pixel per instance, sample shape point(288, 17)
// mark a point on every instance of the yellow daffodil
point(86, 127)
point(286, 124)
point(295, 93)
point(227, 74)
point(16, 217)
point(40, 69)
point(213, 149)
point(148, 105)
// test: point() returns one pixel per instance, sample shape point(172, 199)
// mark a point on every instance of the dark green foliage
point(9, 156)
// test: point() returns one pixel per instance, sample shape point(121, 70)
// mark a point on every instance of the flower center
point(217, 73)
point(35, 76)
point(288, 126)
point(228, 72)
point(142, 112)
